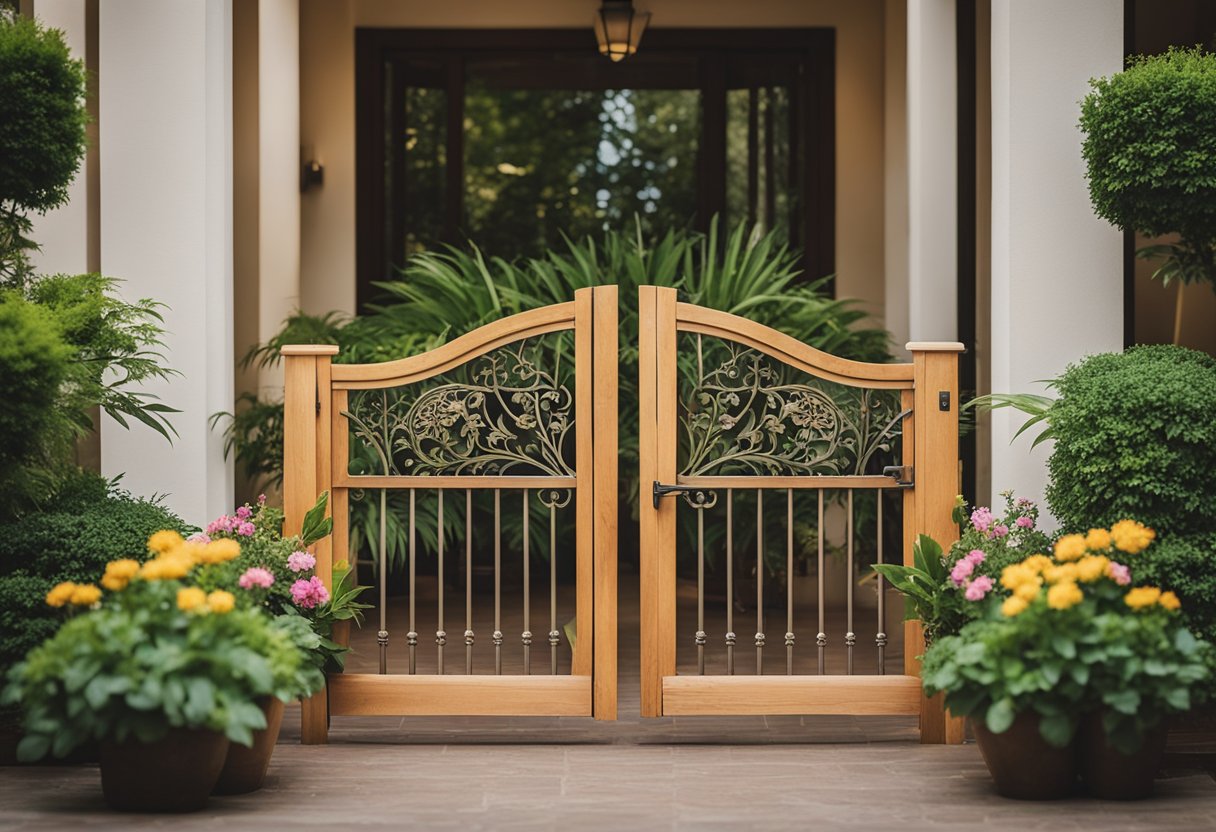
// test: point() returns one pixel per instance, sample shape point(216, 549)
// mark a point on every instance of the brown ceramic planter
point(1023, 765)
point(1112, 775)
point(245, 768)
point(173, 774)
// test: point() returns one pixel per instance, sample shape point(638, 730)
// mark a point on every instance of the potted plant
point(278, 574)
point(1064, 642)
point(160, 672)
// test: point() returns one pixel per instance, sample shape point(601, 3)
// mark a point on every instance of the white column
point(165, 99)
point(932, 171)
point(278, 174)
point(1057, 270)
point(63, 234)
point(895, 171)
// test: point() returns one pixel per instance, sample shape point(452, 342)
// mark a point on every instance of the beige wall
point(327, 114)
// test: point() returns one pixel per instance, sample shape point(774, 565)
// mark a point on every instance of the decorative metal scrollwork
point(509, 416)
point(554, 497)
point(745, 417)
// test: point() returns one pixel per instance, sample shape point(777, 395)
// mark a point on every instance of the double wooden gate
point(516, 423)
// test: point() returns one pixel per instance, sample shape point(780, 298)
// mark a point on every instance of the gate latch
point(902, 474)
point(696, 496)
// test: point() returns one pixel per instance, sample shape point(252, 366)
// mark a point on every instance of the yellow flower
point(1098, 540)
point(220, 551)
point(1013, 606)
point(1092, 567)
point(119, 573)
point(164, 540)
point(167, 567)
point(1017, 574)
point(1142, 596)
point(1064, 595)
point(1063, 573)
point(85, 595)
point(1038, 562)
point(60, 594)
point(221, 601)
point(191, 598)
point(1069, 547)
point(1028, 591)
point(1170, 601)
point(1131, 537)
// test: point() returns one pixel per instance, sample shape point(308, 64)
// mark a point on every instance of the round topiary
point(1150, 152)
point(42, 116)
point(1135, 437)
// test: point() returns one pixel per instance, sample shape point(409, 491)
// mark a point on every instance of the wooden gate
point(488, 416)
point(734, 413)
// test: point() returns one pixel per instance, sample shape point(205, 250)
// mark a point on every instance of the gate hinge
point(902, 474)
point(696, 496)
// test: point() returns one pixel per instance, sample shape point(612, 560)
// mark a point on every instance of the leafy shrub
point(42, 129)
point(92, 523)
point(1188, 568)
point(1135, 437)
point(1150, 153)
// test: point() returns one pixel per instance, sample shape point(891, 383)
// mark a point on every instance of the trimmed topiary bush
point(1135, 436)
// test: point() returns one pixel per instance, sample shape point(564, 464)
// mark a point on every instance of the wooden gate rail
point(316, 459)
point(928, 391)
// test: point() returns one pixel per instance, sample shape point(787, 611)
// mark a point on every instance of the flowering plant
point(1068, 635)
point(942, 588)
point(152, 649)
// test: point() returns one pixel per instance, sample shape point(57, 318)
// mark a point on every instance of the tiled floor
point(577, 775)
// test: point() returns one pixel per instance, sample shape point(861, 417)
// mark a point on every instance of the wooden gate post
point(306, 473)
point(936, 475)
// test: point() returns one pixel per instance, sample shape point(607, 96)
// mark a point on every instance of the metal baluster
point(497, 582)
point(700, 636)
point(759, 582)
point(554, 635)
point(821, 638)
point(789, 583)
point(526, 636)
point(730, 582)
point(468, 581)
point(382, 635)
point(881, 639)
point(441, 637)
point(412, 636)
point(850, 638)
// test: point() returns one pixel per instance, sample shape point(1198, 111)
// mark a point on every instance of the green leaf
point(33, 747)
point(1064, 645)
point(1000, 716)
point(200, 700)
point(1123, 701)
point(1057, 729)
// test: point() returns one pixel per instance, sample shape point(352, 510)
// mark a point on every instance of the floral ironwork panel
point(745, 414)
point(510, 411)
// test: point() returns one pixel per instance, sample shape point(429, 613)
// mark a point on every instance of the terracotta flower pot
point(245, 768)
point(1112, 775)
point(1023, 765)
point(173, 774)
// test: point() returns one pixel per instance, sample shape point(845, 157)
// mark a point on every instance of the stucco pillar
point(165, 99)
point(278, 175)
point(1057, 271)
point(932, 171)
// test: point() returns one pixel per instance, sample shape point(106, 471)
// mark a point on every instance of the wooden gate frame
point(315, 436)
point(929, 388)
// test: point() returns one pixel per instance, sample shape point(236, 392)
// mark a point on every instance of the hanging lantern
point(618, 28)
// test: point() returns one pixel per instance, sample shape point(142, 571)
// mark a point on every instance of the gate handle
point(696, 496)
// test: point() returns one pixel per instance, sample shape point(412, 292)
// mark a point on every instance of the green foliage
point(1187, 567)
point(1135, 438)
point(42, 130)
point(1150, 152)
point(138, 665)
point(90, 524)
point(34, 362)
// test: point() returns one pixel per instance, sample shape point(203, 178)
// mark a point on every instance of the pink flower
point(961, 572)
point(300, 561)
point(999, 530)
point(199, 537)
point(244, 528)
point(309, 594)
point(981, 518)
point(244, 513)
point(1024, 522)
point(256, 576)
point(1121, 574)
point(977, 589)
point(261, 499)
point(975, 557)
